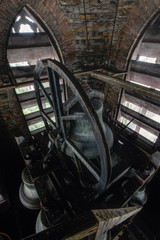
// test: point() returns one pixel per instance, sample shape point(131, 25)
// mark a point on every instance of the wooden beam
point(39, 118)
point(27, 54)
point(38, 114)
point(145, 68)
point(21, 81)
point(152, 35)
point(149, 49)
point(24, 76)
point(153, 124)
point(38, 130)
point(31, 103)
point(26, 72)
point(79, 227)
point(34, 120)
point(109, 218)
point(119, 74)
point(127, 85)
point(141, 103)
point(140, 124)
point(22, 84)
point(23, 71)
point(150, 81)
point(155, 101)
point(78, 74)
point(28, 40)
point(30, 95)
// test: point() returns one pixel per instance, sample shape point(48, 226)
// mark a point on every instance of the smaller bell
point(140, 197)
point(41, 222)
point(27, 192)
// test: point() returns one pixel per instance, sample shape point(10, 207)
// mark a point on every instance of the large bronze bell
point(81, 132)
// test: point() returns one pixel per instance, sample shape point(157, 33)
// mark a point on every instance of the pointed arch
point(52, 19)
point(133, 29)
point(141, 60)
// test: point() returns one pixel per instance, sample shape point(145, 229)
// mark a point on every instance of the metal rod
point(86, 24)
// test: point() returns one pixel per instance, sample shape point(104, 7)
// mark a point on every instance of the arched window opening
point(28, 42)
point(139, 113)
point(24, 23)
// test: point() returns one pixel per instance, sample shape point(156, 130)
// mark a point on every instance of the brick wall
point(56, 24)
point(87, 33)
point(11, 114)
point(138, 16)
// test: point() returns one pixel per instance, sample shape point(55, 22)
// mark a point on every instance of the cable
point(114, 24)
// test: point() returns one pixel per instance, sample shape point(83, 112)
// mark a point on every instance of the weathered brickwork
point(87, 33)
point(137, 18)
point(91, 23)
point(11, 114)
point(49, 14)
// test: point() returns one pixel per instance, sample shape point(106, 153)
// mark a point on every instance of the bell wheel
point(67, 113)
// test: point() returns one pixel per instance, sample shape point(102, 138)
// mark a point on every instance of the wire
point(114, 24)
